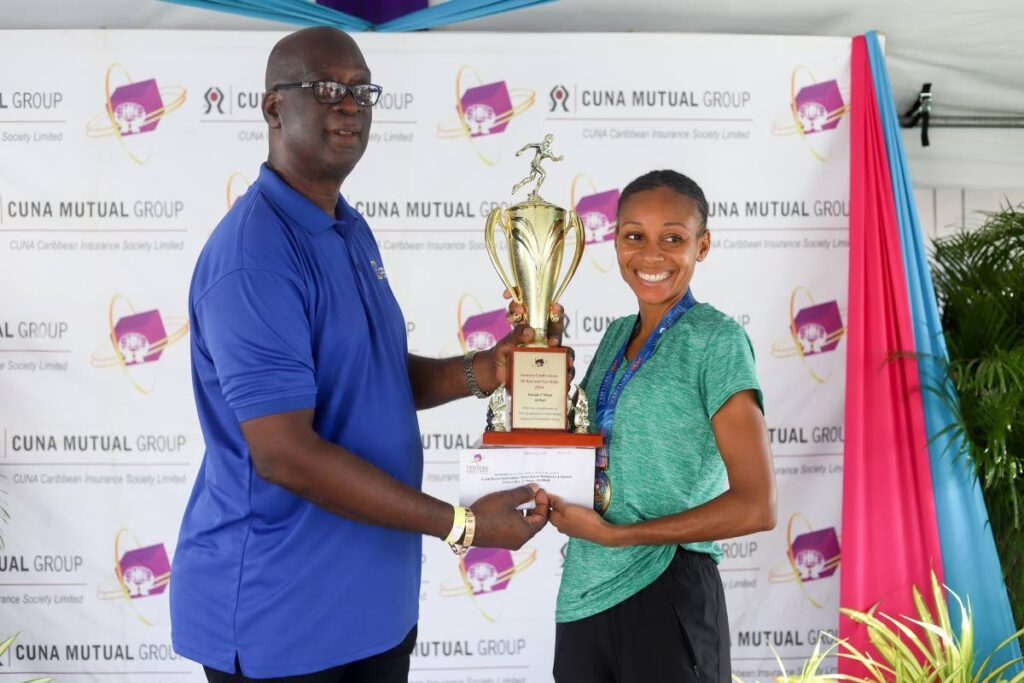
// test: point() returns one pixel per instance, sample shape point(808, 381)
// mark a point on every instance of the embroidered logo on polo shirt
point(379, 269)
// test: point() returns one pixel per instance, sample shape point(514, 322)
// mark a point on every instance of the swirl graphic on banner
point(814, 107)
point(140, 572)
point(598, 211)
point(483, 110)
point(814, 330)
point(238, 185)
point(133, 108)
point(484, 571)
point(136, 338)
point(810, 556)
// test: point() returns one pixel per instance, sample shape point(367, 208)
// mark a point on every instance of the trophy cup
point(539, 431)
point(541, 404)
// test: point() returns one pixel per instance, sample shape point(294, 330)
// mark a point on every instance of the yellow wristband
point(458, 525)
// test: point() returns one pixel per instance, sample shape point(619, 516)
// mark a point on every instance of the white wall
point(944, 210)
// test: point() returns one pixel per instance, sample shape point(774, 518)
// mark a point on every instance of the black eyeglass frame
point(374, 90)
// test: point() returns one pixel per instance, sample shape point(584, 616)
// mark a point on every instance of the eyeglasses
point(332, 92)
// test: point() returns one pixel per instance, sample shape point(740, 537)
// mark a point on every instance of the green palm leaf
point(4, 646)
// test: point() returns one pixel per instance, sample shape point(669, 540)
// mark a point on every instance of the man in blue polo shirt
point(300, 549)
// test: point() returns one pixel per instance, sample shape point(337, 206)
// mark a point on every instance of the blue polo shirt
point(292, 309)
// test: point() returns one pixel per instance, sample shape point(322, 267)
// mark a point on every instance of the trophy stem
point(540, 338)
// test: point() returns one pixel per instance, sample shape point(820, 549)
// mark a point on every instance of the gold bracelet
point(462, 546)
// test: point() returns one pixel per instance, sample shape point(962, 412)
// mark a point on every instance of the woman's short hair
point(673, 180)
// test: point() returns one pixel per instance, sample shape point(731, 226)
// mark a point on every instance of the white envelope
point(565, 472)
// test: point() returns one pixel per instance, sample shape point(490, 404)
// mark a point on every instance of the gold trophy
point(535, 232)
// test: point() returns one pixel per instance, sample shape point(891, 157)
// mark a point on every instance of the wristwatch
point(467, 369)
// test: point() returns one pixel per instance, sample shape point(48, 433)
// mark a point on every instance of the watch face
point(602, 491)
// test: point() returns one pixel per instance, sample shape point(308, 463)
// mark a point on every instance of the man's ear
point(271, 102)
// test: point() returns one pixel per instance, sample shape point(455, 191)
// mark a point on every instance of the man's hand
point(556, 322)
point(492, 366)
point(436, 381)
point(495, 362)
point(581, 522)
point(500, 525)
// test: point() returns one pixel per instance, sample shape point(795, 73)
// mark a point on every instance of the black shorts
point(391, 666)
point(674, 630)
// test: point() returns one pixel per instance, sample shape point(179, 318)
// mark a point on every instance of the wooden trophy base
point(539, 403)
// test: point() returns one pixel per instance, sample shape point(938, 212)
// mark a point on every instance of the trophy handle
point(577, 228)
point(494, 220)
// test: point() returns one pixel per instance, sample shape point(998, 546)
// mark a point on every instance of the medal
point(608, 398)
point(602, 491)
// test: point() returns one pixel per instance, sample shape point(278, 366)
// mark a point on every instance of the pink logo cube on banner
point(137, 107)
point(142, 570)
point(489, 569)
point(818, 328)
point(482, 331)
point(818, 105)
point(486, 109)
point(814, 554)
point(141, 337)
point(598, 213)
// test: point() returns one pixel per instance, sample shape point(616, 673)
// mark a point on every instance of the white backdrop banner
point(119, 153)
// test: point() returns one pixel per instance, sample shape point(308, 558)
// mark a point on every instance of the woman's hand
point(582, 522)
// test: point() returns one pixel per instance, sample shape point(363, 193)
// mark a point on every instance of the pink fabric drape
point(890, 533)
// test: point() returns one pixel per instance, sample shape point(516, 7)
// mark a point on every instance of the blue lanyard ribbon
point(608, 398)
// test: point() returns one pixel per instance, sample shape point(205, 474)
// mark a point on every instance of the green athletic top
point(663, 455)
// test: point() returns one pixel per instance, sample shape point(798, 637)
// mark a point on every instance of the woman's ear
point(703, 244)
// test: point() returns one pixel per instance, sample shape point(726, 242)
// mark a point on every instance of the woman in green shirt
point(686, 460)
